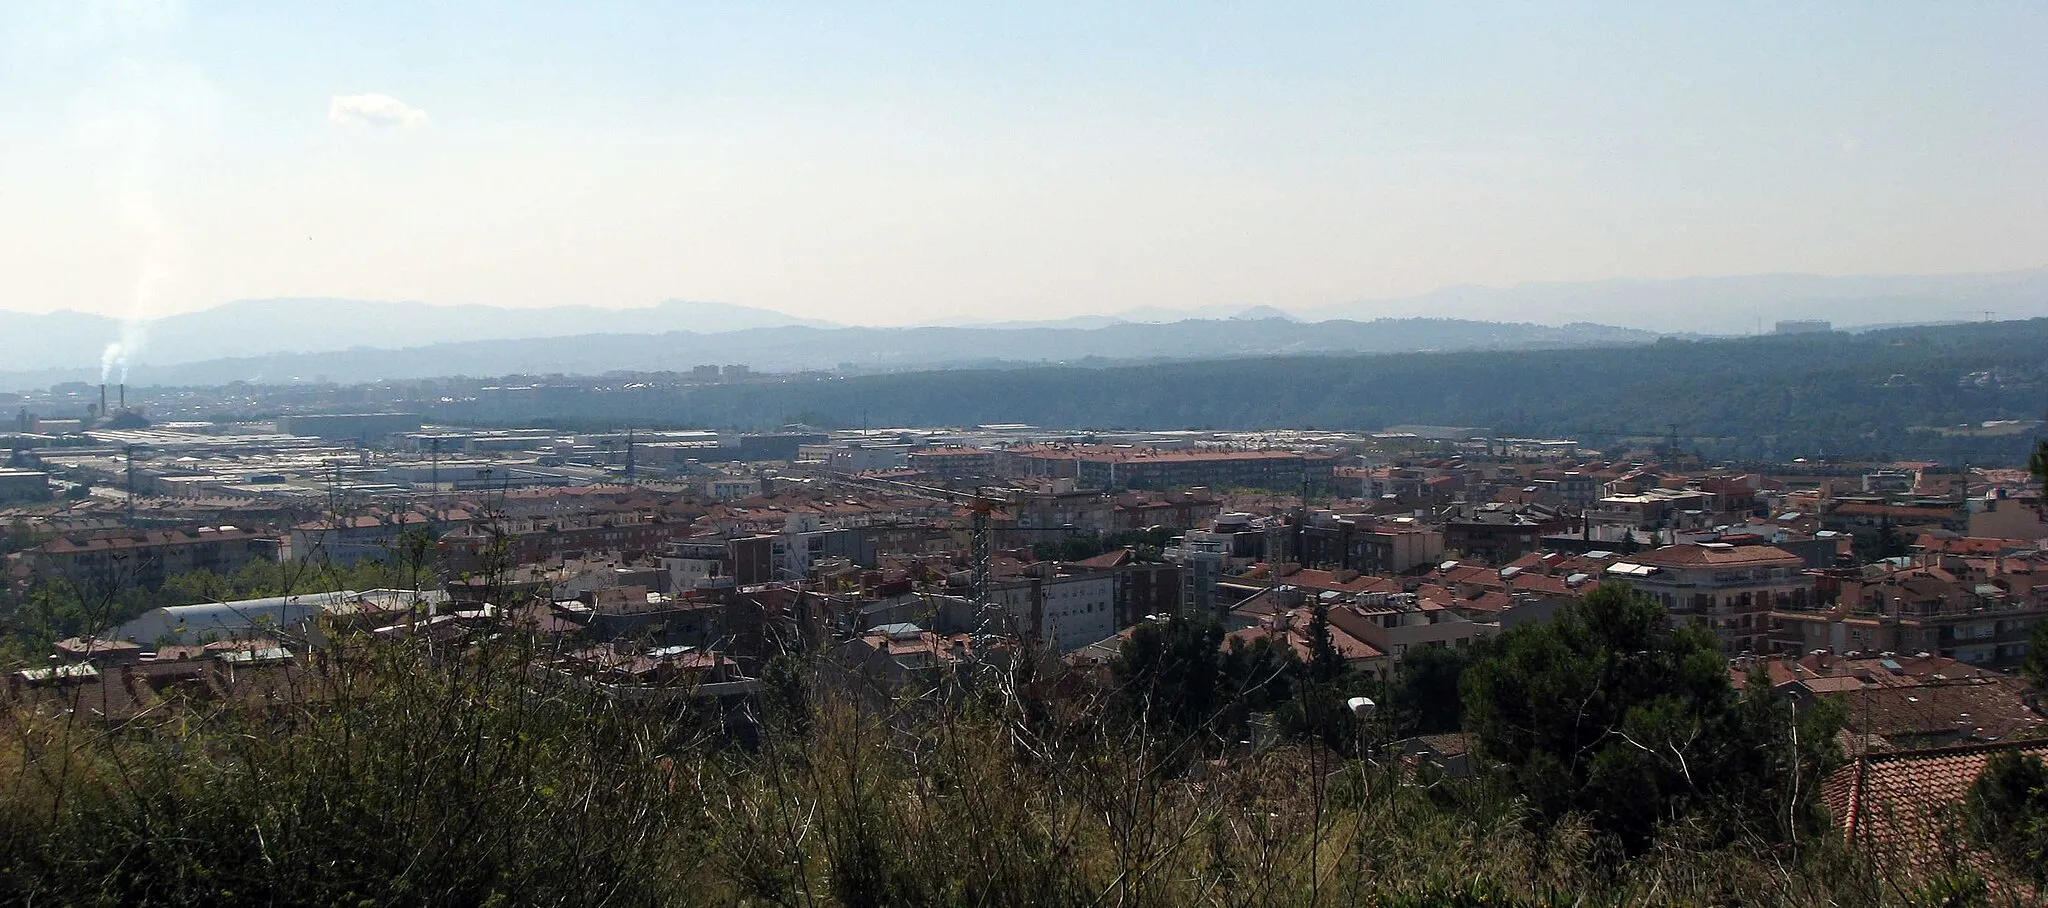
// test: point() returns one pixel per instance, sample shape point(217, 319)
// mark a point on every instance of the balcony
point(2021, 635)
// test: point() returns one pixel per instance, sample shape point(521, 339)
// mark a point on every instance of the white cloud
point(372, 109)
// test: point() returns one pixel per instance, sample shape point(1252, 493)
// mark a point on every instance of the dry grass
point(423, 777)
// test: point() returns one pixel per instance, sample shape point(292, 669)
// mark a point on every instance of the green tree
point(1424, 696)
point(1325, 664)
point(1260, 673)
point(1610, 712)
point(1317, 711)
point(1888, 543)
point(786, 696)
point(1628, 542)
point(1169, 674)
point(2007, 812)
point(2035, 668)
point(197, 586)
point(20, 536)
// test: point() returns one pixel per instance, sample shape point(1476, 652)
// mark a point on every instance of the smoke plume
point(140, 125)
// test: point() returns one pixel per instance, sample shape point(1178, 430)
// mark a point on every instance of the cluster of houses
point(1900, 591)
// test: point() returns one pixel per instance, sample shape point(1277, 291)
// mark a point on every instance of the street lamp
point(1362, 709)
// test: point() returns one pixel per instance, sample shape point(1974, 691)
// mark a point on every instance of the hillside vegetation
point(1903, 392)
point(403, 773)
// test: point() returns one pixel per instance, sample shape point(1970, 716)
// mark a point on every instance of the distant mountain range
point(1710, 306)
point(1732, 305)
point(243, 328)
point(280, 338)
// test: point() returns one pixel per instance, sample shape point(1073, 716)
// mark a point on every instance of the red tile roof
point(1900, 808)
point(1294, 636)
point(1113, 454)
point(1110, 559)
point(1704, 555)
point(1971, 545)
point(135, 539)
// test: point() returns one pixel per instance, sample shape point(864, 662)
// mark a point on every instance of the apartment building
point(1064, 611)
point(1201, 556)
point(1089, 511)
point(1572, 488)
point(146, 558)
point(953, 461)
point(1399, 623)
point(475, 548)
point(1652, 509)
point(1369, 544)
point(1866, 517)
point(1730, 589)
point(1498, 533)
point(1128, 467)
point(1979, 611)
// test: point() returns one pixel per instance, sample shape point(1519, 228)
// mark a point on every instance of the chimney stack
point(103, 398)
point(123, 398)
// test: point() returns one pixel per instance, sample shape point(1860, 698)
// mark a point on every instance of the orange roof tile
point(1899, 807)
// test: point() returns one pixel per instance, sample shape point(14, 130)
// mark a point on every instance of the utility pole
point(979, 548)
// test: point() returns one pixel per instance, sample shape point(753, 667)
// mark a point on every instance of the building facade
point(1729, 589)
point(144, 559)
point(1115, 467)
point(1065, 612)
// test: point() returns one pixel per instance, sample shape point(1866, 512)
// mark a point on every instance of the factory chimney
point(103, 398)
point(123, 398)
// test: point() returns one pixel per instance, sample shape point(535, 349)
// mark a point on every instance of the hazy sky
point(877, 162)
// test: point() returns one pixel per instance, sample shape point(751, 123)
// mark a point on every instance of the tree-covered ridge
point(1890, 392)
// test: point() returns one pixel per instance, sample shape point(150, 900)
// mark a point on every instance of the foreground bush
point(404, 776)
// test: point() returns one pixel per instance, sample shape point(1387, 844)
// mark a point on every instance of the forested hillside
point(1905, 392)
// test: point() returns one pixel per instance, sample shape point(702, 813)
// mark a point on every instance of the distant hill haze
point(266, 339)
point(1731, 305)
point(1957, 394)
point(803, 347)
point(262, 327)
